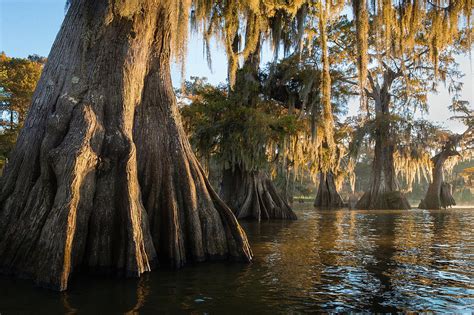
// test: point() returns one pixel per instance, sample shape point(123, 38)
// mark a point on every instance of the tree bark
point(188, 220)
point(103, 122)
point(384, 191)
point(288, 189)
point(328, 197)
point(439, 194)
point(252, 195)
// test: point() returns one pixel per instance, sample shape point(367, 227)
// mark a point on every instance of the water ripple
point(327, 261)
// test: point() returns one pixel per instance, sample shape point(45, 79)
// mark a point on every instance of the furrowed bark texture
point(384, 189)
point(188, 220)
point(439, 194)
point(252, 195)
point(328, 197)
point(70, 197)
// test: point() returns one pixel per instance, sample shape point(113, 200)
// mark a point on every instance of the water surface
point(345, 260)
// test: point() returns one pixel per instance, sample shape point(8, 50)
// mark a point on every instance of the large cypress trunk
point(252, 195)
point(384, 191)
point(188, 221)
point(328, 197)
point(439, 194)
point(103, 121)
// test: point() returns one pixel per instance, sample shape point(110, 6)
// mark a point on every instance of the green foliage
point(234, 134)
point(293, 82)
point(18, 78)
point(7, 141)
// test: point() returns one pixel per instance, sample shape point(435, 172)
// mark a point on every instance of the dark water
point(383, 261)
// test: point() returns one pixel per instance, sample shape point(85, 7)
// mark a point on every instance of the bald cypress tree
point(102, 176)
point(439, 193)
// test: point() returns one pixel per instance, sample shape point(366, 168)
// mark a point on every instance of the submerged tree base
point(444, 200)
point(383, 201)
point(103, 177)
point(328, 197)
point(252, 195)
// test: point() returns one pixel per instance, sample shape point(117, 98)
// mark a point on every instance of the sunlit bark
point(103, 122)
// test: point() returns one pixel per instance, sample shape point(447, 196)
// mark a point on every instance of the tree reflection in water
point(344, 260)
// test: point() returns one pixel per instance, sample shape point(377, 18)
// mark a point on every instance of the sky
point(30, 27)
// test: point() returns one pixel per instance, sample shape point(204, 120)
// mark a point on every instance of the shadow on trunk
point(252, 195)
point(439, 194)
point(384, 191)
point(103, 177)
point(328, 197)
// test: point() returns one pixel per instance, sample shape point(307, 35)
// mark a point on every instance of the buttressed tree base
point(439, 194)
point(102, 176)
point(328, 197)
point(252, 195)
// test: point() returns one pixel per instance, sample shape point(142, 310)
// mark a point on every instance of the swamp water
point(339, 261)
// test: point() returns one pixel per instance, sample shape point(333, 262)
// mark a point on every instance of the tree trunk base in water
point(385, 201)
point(444, 200)
point(328, 196)
point(252, 195)
point(103, 176)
